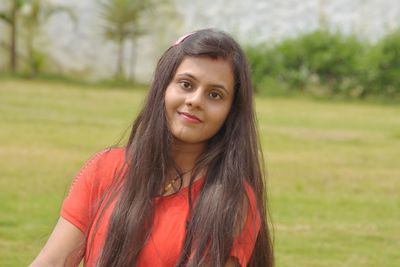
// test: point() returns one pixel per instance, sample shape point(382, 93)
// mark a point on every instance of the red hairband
point(182, 38)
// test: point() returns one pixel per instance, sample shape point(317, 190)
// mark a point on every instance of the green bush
point(320, 60)
point(381, 67)
point(261, 63)
point(333, 58)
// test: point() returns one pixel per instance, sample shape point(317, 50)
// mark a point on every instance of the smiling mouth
point(189, 117)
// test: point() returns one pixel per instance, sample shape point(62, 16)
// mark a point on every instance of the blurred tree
point(33, 15)
point(122, 22)
point(10, 17)
point(322, 17)
point(163, 33)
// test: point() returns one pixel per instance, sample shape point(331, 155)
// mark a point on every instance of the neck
point(185, 155)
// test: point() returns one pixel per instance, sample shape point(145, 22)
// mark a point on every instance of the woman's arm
point(65, 247)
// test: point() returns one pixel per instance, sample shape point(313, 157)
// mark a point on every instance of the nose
point(194, 99)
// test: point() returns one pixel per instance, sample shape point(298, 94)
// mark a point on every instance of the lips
point(190, 117)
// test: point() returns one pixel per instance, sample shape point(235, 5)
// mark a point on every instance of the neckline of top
point(196, 183)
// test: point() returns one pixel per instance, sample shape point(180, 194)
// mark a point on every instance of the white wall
point(260, 20)
point(82, 50)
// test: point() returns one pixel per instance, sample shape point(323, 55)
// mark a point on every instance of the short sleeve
point(244, 243)
point(76, 207)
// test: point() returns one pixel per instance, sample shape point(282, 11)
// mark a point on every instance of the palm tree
point(164, 10)
point(322, 19)
point(10, 17)
point(121, 23)
point(37, 12)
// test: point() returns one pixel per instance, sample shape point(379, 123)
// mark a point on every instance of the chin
point(189, 140)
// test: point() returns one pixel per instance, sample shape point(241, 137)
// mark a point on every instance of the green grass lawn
point(333, 169)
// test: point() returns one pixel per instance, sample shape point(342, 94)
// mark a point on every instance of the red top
point(168, 231)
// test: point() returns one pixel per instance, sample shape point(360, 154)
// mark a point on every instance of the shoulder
point(93, 180)
point(110, 158)
point(106, 165)
point(105, 158)
point(100, 169)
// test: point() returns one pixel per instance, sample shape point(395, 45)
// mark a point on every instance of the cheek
point(169, 102)
point(220, 117)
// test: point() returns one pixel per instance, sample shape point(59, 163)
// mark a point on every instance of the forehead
point(208, 70)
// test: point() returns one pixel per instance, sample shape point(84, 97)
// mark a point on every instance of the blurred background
point(73, 75)
point(342, 45)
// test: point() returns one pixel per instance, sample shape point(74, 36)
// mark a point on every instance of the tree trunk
point(120, 69)
point(30, 53)
point(322, 19)
point(133, 59)
point(13, 41)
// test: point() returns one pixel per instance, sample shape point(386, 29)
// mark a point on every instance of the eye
point(215, 95)
point(186, 85)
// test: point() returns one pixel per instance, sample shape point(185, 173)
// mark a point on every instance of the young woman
point(187, 189)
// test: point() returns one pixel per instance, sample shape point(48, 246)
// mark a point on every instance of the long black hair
point(232, 158)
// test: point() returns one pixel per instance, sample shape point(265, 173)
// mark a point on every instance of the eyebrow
point(220, 86)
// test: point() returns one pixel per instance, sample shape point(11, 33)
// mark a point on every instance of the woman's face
point(199, 98)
